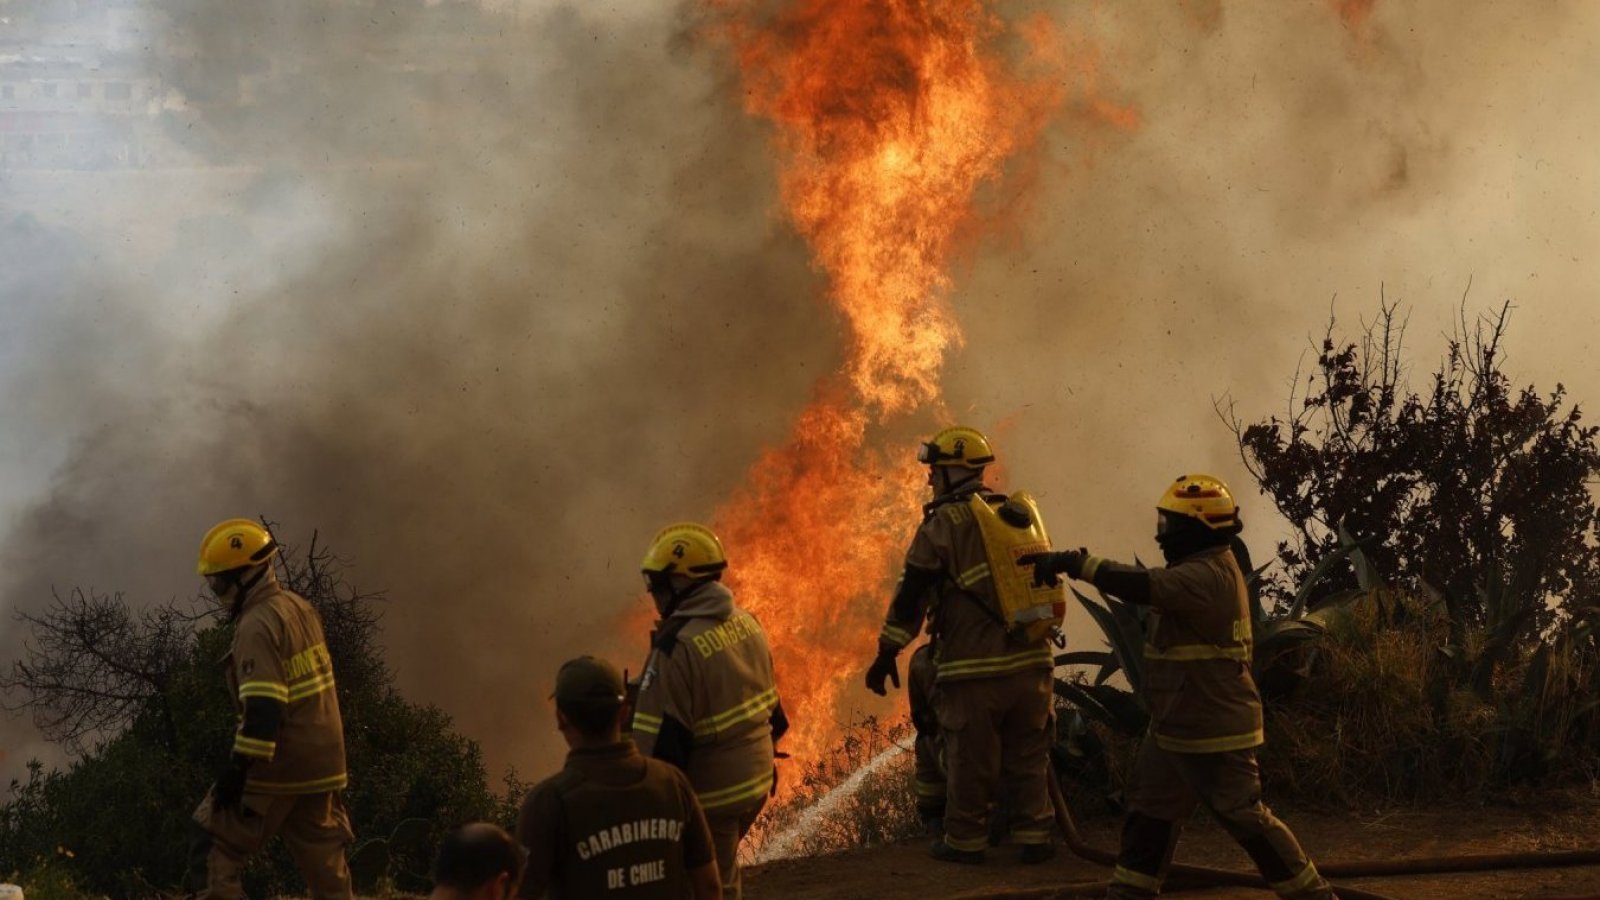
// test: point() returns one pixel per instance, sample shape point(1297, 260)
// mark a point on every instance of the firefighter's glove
point(230, 784)
point(883, 669)
point(1048, 567)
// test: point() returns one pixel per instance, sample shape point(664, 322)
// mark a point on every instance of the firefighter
point(611, 821)
point(993, 688)
point(707, 701)
point(1205, 711)
point(287, 768)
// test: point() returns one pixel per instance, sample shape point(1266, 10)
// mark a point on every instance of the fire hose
point(1440, 865)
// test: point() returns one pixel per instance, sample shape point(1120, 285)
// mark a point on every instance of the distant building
point(74, 89)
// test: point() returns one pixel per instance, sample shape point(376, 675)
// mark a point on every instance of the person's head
point(478, 860)
point(1195, 513)
point(680, 558)
point(234, 555)
point(589, 698)
point(955, 457)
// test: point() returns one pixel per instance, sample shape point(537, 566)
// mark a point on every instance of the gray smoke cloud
point(1283, 160)
point(487, 294)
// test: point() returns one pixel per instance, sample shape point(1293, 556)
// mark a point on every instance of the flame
point(889, 116)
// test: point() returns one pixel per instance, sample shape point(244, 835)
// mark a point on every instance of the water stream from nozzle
point(787, 843)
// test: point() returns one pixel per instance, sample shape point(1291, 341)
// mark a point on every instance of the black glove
point(882, 668)
point(1047, 566)
point(229, 789)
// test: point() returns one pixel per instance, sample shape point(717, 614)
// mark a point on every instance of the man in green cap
point(612, 820)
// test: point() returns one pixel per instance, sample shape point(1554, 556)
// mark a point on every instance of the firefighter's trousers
point(1166, 789)
point(996, 748)
point(728, 828)
point(314, 826)
point(929, 746)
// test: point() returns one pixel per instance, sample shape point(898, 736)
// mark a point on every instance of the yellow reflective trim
point(315, 786)
point(977, 843)
point(1136, 879)
point(1307, 877)
point(749, 709)
point(744, 790)
point(996, 665)
point(1193, 652)
point(647, 724)
point(310, 687)
point(272, 690)
point(248, 746)
point(1091, 565)
point(1030, 836)
point(1212, 745)
point(930, 788)
point(974, 575)
point(895, 635)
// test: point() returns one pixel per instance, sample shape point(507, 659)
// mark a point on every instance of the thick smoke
point(1284, 158)
point(487, 295)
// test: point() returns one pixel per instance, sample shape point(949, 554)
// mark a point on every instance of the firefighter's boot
point(1147, 847)
point(945, 853)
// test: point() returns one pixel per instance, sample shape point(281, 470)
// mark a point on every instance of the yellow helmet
point(685, 549)
point(957, 446)
point(234, 544)
point(1201, 497)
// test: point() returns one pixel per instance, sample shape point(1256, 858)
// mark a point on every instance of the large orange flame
point(889, 115)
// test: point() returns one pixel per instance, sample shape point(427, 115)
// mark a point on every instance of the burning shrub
point(142, 692)
point(859, 795)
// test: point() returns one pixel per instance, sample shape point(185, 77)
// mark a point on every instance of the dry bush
point(859, 795)
point(1384, 716)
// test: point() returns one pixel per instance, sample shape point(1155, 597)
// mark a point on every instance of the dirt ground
point(904, 871)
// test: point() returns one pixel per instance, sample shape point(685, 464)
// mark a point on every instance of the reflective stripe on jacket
point(279, 653)
point(1198, 683)
point(716, 682)
point(961, 606)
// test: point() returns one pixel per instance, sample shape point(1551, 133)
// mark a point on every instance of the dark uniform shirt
point(1201, 694)
point(961, 607)
point(613, 824)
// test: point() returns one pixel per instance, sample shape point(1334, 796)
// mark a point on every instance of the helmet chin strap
point(675, 596)
point(945, 484)
point(240, 588)
point(1183, 536)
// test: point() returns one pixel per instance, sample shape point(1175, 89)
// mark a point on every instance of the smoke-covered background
point(487, 293)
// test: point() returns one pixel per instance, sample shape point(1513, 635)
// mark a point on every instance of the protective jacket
point(947, 582)
point(1198, 685)
point(708, 702)
point(613, 822)
point(279, 654)
point(1203, 698)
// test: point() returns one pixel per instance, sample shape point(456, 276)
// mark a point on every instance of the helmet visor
point(929, 453)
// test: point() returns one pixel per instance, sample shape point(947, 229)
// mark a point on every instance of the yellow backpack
point(1030, 613)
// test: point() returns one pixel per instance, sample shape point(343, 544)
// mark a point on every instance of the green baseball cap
point(588, 679)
